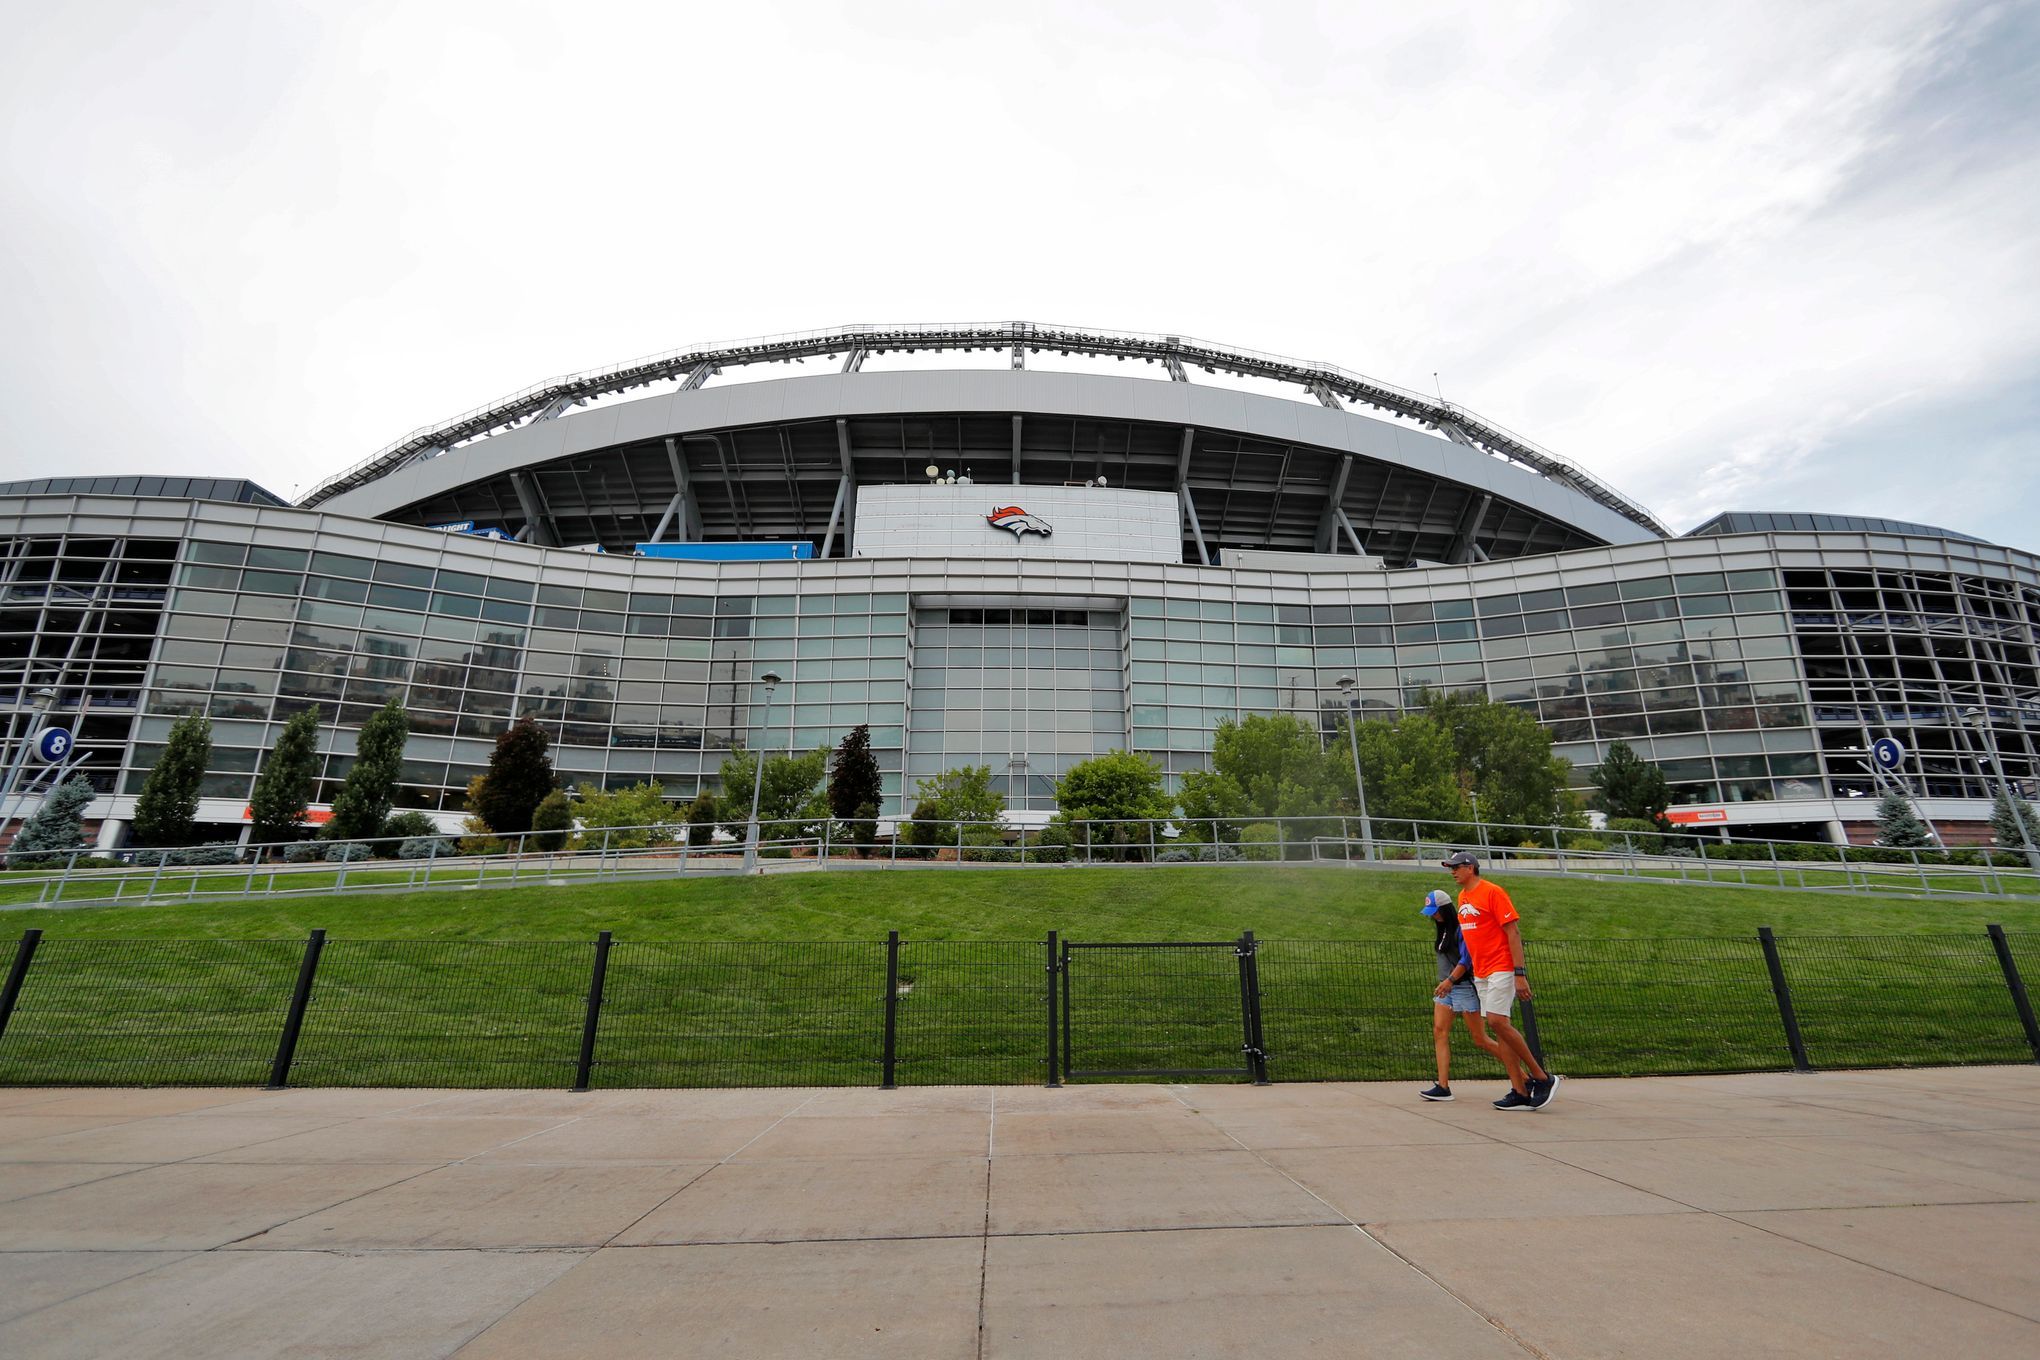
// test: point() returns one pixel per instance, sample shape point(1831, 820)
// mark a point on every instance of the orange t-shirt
point(1483, 910)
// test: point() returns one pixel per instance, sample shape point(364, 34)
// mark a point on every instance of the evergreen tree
point(1632, 787)
point(2004, 823)
point(853, 779)
point(552, 821)
point(520, 776)
point(363, 803)
point(167, 810)
point(1899, 826)
point(854, 789)
point(57, 828)
point(701, 819)
point(284, 788)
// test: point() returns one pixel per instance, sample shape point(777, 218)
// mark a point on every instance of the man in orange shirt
point(1487, 925)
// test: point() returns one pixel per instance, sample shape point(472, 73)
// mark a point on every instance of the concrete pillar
point(112, 831)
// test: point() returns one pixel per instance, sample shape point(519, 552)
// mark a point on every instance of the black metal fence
point(619, 1013)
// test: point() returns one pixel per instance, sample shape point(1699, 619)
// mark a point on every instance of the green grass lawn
point(781, 979)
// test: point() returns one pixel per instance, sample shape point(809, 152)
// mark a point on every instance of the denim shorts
point(1462, 998)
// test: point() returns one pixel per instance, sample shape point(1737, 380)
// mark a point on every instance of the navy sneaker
point(1515, 1100)
point(1541, 1092)
point(1436, 1093)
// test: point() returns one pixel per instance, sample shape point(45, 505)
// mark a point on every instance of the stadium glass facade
point(1755, 659)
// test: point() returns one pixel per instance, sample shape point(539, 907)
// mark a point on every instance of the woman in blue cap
point(1454, 992)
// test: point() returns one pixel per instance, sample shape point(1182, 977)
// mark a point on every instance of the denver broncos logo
point(1018, 521)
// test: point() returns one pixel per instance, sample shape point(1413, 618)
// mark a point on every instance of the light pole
point(1346, 685)
point(45, 698)
point(770, 680)
point(1977, 720)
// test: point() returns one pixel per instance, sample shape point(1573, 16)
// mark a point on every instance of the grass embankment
point(721, 981)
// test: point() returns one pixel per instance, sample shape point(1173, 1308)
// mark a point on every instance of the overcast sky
point(1753, 256)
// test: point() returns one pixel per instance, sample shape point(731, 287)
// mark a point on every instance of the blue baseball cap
point(1436, 901)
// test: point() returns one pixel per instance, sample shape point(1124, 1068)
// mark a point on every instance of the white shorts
point(1497, 993)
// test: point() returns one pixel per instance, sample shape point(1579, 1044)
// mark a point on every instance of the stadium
point(1010, 545)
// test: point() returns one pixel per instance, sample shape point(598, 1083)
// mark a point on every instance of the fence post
point(293, 1023)
point(431, 854)
point(1250, 1007)
point(1793, 1040)
point(517, 860)
point(587, 1063)
point(959, 845)
point(17, 974)
point(1054, 978)
point(1065, 960)
point(2013, 981)
point(890, 1060)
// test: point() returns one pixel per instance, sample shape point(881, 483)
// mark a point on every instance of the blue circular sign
point(1888, 754)
point(52, 744)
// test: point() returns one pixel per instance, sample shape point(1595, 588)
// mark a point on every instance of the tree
point(363, 803)
point(58, 826)
point(1266, 766)
point(853, 779)
point(792, 795)
point(552, 821)
point(520, 775)
point(1501, 754)
point(1121, 791)
point(167, 810)
point(701, 819)
point(963, 795)
point(603, 814)
point(284, 788)
point(1632, 787)
point(1899, 826)
point(1409, 769)
point(2004, 823)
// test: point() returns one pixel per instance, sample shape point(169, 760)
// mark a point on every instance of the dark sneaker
point(1436, 1093)
point(1541, 1092)
point(1515, 1100)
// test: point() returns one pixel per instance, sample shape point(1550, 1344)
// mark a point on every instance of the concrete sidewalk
point(1888, 1213)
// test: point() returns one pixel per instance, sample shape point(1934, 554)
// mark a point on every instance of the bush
point(1638, 835)
point(302, 852)
point(425, 847)
point(1259, 842)
point(1195, 853)
point(407, 824)
point(1052, 845)
point(1585, 843)
point(185, 856)
point(345, 852)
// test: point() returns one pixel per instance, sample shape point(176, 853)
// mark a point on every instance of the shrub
point(425, 847)
point(302, 852)
point(409, 823)
point(1052, 845)
point(345, 852)
point(1639, 835)
point(1259, 842)
point(216, 852)
point(1195, 853)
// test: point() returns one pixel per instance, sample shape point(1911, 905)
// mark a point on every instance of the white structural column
point(1183, 495)
point(843, 514)
point(538, 521)
point(1328, 523)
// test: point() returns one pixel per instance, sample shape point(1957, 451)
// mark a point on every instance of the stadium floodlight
point(770, 679)
point(1348, 688)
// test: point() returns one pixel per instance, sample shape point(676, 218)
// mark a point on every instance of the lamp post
point(45, 698)
point(1978, 721)
point(1346, 685)
point(770, 680)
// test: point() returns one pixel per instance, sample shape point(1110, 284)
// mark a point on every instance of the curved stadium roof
point(771, 459)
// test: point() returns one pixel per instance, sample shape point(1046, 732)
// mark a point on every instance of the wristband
point(1521, 973)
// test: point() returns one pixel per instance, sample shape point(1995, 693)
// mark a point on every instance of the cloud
point(1706, 253)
